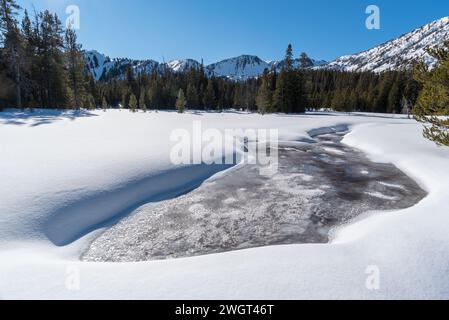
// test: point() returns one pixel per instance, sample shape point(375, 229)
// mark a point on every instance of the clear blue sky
point(219, 29)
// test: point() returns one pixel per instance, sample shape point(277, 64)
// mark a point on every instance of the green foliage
point(264, 95)
point(209, 96)
point(180, 101)
point(42, 65)
point(104, 104)
point(132, 103)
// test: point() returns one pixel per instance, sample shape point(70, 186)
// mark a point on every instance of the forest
point(42, 65)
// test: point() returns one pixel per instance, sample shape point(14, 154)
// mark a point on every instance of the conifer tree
point(104, 104)
point(133, 102)
point(76, 65)
point(209, 96)
point(192, 96)
point(264, 95)
point(142, 102)
point(432, 106)
point(288, 61)
point(11, 38)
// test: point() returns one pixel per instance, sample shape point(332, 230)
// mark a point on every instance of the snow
point(65, 172)
point(398, 53)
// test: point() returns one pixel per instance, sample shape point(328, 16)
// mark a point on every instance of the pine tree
point(432, 106)
point(104, 104)
point(264, 95)
point(209, 96)
point(76, 65)
point(192, 96)
point(124, 101)
point(288, 61)
point(394, 99)
point(279, 93)
point(180, 101)
point(133, 102)
point(142, 103)
point(11, 38)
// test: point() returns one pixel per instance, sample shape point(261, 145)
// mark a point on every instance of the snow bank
point(57, 166)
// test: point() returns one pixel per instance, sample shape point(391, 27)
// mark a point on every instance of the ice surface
point(243, 209)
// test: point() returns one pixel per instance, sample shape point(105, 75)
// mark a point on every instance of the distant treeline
point(42, 65)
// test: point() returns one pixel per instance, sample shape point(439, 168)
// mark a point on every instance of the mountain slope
point(399, 53)
point(239, 68)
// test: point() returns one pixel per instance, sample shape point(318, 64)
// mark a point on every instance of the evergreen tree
point(11, 38)
point(279, 93)
point(209, 96)
point(104, 104)
point(76, 65)
point(288, 61)
point(132, 103)
point(192, 96)
point(142, 102)
point(180, 101)
point(264, 95)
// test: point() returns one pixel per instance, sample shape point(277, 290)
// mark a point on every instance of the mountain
point(396, 54)
point(296, 63)
point(100, 65)
point(239, 68)
point(245, 67)
point(399, 53)
point(183, 65)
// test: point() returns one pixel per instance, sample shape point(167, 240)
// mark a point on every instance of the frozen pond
point(318, 186)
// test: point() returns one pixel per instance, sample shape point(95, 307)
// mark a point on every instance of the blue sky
point(219, 29)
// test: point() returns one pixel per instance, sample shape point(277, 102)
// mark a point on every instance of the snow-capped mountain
point(100, 65)
point(297, 63)
point(393, 55)
point(239, 68)
point(245, 67)
point(183, 65)
point(399, 53)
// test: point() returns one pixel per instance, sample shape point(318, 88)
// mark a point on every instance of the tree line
point(41, 62)
point(43, 65)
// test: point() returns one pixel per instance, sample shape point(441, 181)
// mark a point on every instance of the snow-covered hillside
point(239, 68)
point(245, 67)
point(393, 55)
point(398, 53)
point(100, 65)
point(183, 65)
point(63, 172)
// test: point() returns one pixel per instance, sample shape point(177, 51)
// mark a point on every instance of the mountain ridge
point(395, 54)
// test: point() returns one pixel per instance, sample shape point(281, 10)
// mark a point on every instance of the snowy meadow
point(81, 191)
